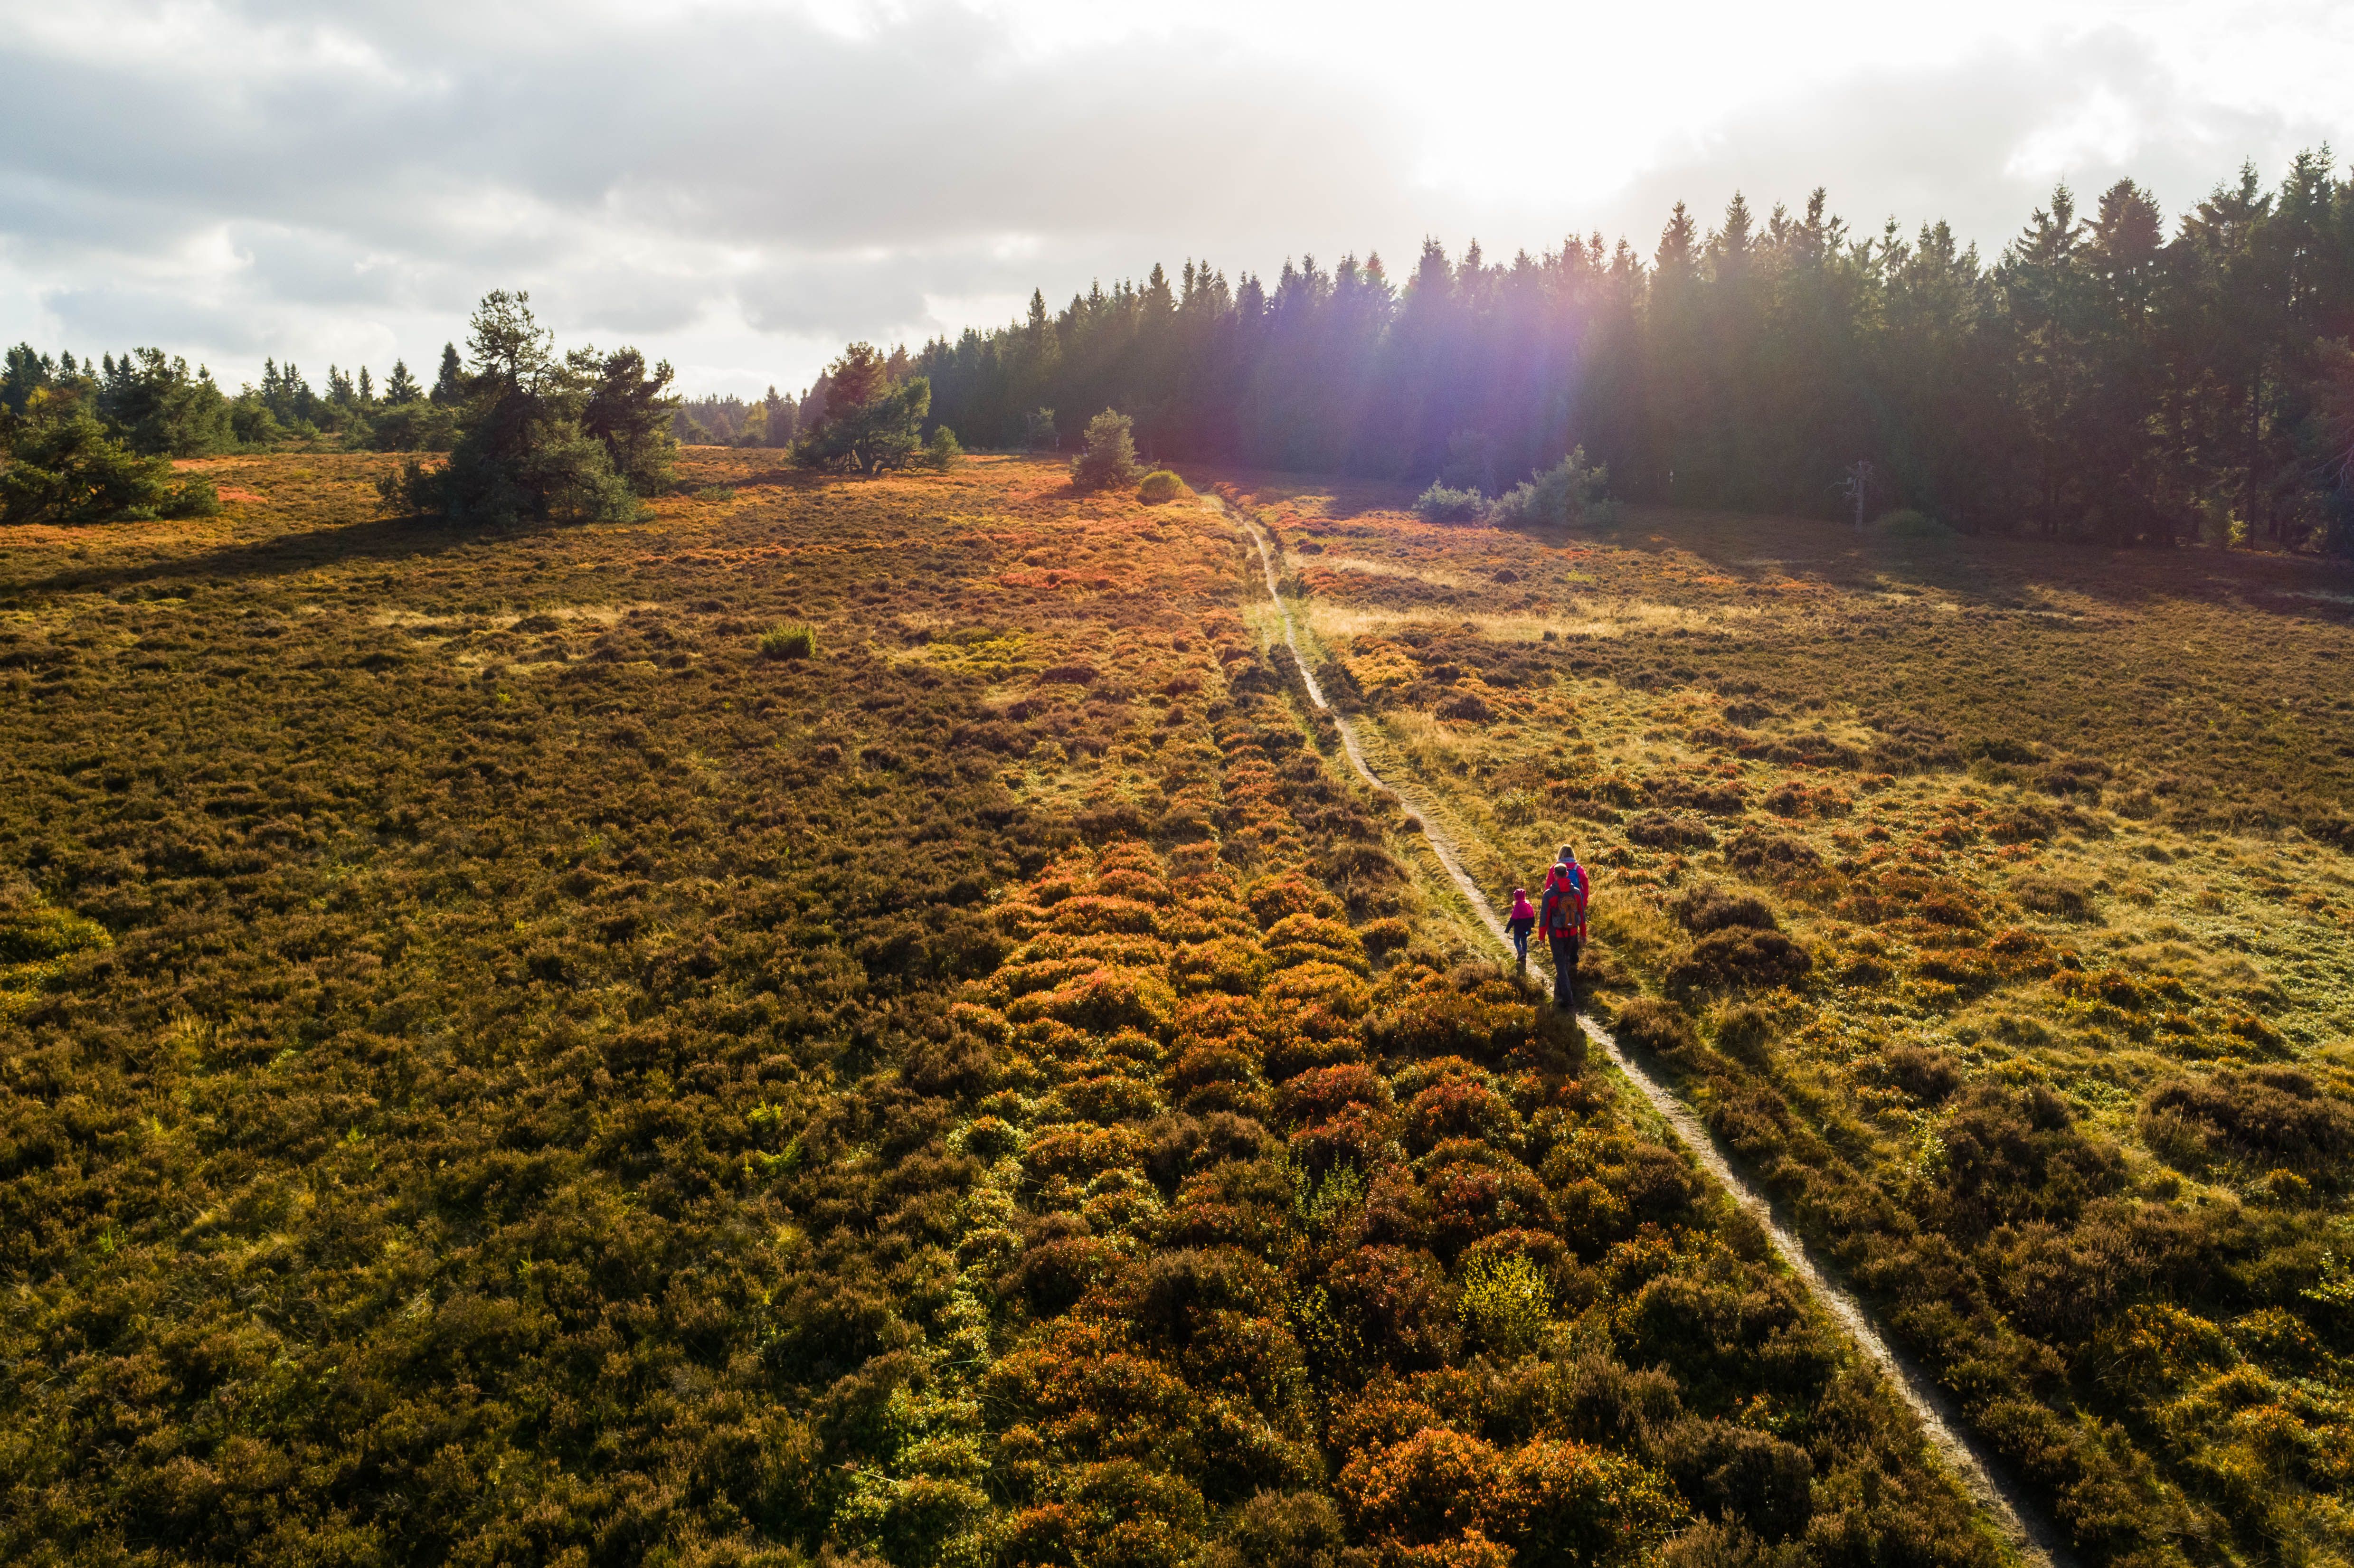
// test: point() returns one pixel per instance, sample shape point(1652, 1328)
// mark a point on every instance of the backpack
point(1553, 918)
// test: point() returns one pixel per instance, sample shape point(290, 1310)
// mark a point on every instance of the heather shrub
point(2013, 1154)
point(2050, 896)
point(1712, 1545)
point(1738, 958)
point(1669, 830)
point(1744, 1031)
point(1929, 1075)
point(1571, 1505)
point(1283, 1530)
point(1646, 1024)
point(1703, 909)
point(2268, 1116)
point(1325, 1092)
point(1733, 1474)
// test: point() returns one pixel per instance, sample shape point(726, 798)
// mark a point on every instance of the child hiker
point(1561, 918)
point(1523, 920)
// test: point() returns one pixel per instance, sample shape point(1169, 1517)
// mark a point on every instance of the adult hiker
point(1561, 917)
point(1523, 919)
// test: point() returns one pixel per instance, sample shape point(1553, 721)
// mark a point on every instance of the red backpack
point(1563, 914)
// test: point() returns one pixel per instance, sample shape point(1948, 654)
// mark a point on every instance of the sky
point(741, 186)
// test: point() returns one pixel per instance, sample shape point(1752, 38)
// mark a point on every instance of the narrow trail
point(2029, 1532)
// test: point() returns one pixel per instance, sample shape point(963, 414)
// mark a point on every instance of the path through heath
point(2030, 1532)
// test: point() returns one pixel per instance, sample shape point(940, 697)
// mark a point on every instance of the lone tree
point(1110, 457)
point(870, 422)
point(542, 439)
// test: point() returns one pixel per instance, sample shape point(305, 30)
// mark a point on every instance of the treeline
point(531, 434)
point(2098, 380)
point(152, 403)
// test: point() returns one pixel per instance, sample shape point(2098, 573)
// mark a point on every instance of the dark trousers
point(1520, 930)
point(1564, 971)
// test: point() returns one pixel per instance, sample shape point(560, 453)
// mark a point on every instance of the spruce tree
point(450, 387)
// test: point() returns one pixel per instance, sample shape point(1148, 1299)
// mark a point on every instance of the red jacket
point(1562, 911)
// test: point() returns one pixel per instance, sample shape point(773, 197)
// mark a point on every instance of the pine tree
point(522, 452)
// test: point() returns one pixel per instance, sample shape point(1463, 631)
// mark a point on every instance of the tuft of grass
point(716, 493)
point(792, 639)
point(1158, 486)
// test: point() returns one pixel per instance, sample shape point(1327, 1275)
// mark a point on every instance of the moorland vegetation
point(849, 1020)
point(1995, 907)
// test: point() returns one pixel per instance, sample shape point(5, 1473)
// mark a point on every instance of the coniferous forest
point(2110, 376)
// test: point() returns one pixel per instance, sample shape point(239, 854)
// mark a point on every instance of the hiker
point(1523, 920)
point(1561, 918)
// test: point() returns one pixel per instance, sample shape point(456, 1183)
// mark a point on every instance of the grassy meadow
point(1994, 902)
point(859, 1023)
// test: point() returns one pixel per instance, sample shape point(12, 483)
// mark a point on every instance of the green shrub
point(1440, 504)
point(943, 452)
point(1110, 457)
point(1159, 485)
point(195, 496)
point(793, 640)
point(716, 493)
point(1507, 1302)
point(1572, 491)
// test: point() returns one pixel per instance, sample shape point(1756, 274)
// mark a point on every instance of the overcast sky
point(741, 186)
